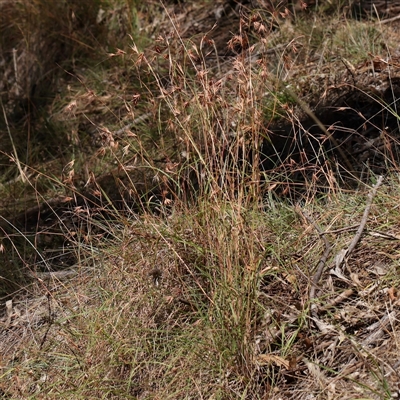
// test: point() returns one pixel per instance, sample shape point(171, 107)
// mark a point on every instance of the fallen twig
point(388, 20)
point(338, 299)
point(136, 121)
point(379, 328)
point(342, 255)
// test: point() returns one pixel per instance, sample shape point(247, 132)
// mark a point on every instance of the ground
point(200, 212)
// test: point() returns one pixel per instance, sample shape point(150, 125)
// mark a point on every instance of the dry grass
point(193, 258)
point(213, 302)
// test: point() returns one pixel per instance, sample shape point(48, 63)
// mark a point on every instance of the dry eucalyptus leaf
point(265, 359)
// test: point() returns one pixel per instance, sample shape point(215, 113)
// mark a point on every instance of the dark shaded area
point(44, 237)
point(360, 139)
point(43, 45)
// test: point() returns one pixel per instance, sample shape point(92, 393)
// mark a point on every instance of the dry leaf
point(392, 293)
point(265, 359)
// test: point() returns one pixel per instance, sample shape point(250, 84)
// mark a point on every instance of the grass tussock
point(195, 232)
point(213, 302)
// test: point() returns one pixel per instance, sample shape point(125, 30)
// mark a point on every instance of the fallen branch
point(379, 328)
point(342, 255)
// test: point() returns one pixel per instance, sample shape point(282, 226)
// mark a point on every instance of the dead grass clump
point(214, 302)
